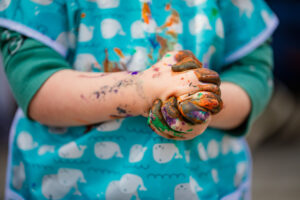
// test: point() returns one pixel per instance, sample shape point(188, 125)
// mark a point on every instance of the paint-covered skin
point(176, 117)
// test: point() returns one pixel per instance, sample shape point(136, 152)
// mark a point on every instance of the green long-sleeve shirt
point(29, 63)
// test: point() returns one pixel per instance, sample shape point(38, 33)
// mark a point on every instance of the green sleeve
point(253, 73)
point(27, 64)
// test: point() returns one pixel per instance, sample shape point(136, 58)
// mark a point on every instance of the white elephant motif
point(213, 149)
point(103, 4)
point(107, 150)
point(245, 7)
point(85, 62)
point(71, 150)
point(201, 152)
point(43, 2)
point(165, 152)
point(25, 141)
point(136, 30)
point(199, 23)
point(112, 125)
point(46, 149)
point(126, 188)
point(136, 153)
point(57, 186)
point(85, 33)
point(110, 28)
point(192, 3)
point(187, 190)
point(4, 4)
point(19, 176)
point(67, 39)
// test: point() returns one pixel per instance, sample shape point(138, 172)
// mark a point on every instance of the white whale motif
point(71, 150)
point(198, 24)
point(192, 3)
point(4, 4)
point(43, 2)
point(231, 144)
point(85, 33)
point(201, 152)
point(18, 176)
point(85, 62)
point(110, 28)
point(151, 27)
point(207, 56)
point(165, 152)
point(104, 4)
point(57, 186)
point(244, 6)
point(110, 125)
point(220, 28)
point(46, 149)
point(187, 190)
point(136, 153)
point(107, 150)
point(126, 188)
point(215, 175)
point(241, 169)
point(137, 30)
point(187, 155)
point(213, 149)
point(138, 61)
point(25, 141)
point(67, 39)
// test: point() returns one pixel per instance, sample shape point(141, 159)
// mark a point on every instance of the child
point(55, 153)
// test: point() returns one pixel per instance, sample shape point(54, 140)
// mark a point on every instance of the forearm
point(71, 98)
point(237, 106)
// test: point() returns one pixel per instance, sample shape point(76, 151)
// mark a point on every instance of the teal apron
point(125, 159)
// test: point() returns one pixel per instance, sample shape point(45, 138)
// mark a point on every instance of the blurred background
point(275, 137)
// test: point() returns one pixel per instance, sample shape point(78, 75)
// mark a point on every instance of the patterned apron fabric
point(125, 159)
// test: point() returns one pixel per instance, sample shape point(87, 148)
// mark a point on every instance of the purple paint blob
point(134, 73)
point(170, 121)
point(199, 115)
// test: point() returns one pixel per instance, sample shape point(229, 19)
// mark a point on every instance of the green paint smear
point(167, 55)
point(159, 125)
point(190, 130)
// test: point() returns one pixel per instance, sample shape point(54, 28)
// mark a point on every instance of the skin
point(89, 98)
point(73, 103)
point(188, 113)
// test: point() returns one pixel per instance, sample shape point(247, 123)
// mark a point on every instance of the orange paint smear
point(168, 7)
point(119, 52)
point(146, 13)
point(83, 15)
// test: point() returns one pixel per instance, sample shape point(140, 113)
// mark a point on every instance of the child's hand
point(189, 115)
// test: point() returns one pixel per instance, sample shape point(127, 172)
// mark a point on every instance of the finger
point(187, 63)
point(173, 117)
point(208, 100)
point(157, 122)
point(193, 113)
point(207, 76)
point(187, 53)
